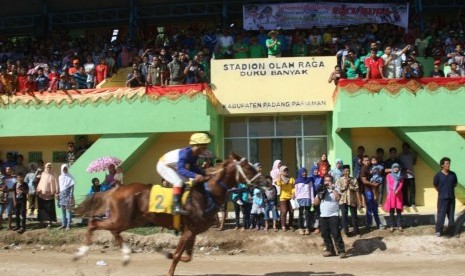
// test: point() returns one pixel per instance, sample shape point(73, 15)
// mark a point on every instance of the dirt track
point(249, 253)
point(56, 263)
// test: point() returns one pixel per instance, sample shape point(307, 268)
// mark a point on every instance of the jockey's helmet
point(199, 139)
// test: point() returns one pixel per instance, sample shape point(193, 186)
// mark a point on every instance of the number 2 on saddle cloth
point(161, 201)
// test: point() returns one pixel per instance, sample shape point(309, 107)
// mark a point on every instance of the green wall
point(439, 108)
point(127, 127)
point(426, 120)
point(113, 117)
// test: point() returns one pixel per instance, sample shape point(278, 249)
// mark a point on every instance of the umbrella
point(102, 163)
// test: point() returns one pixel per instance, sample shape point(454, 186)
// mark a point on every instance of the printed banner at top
point(290, 16)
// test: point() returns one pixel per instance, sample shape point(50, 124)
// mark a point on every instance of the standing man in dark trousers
point(408, 159)
point(445, 182)
point(328, 199)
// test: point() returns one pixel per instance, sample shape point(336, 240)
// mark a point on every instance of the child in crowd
point(31, 84)
point(3, 196)
point(394, 198)
point(90, 82)
point(317, 186)
point(376, 170)
point(53, 79)
point(118, 176)
point(95, 188)
point(304, 195)
point(240, 195)
point(22, 189)
point(256, 214)
point(64, 83)
point(287, 184)
point(10, 183)
point(66, 196)
point(323, 165)
point(271, 203)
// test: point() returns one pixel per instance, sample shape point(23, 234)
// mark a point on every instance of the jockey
point(180, 165)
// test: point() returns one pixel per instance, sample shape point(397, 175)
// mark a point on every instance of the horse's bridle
point(240, 172)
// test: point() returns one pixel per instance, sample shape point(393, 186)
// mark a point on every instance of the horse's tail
point(93, 205)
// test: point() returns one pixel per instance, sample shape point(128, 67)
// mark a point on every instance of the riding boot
point(177, 208)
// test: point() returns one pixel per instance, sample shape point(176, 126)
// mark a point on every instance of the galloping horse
point(128, 206)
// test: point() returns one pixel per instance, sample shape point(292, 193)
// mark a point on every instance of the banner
point(290, 16)
point(264, 85)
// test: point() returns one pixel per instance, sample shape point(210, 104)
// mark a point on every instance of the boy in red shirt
point(53, 79)
point(22, 80)
point(31, 85)
point(374, 65)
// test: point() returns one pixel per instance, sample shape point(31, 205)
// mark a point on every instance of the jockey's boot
point(177, 202)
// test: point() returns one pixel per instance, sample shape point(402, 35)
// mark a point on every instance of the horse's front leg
point(91, 227)
point(186, 236)
point(124, 247)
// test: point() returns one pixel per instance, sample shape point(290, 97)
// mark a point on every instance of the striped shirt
point(81, 80)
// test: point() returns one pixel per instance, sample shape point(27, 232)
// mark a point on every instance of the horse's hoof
point(76, 258)
point(83, 250)
point(126, 260)
point(167, 254)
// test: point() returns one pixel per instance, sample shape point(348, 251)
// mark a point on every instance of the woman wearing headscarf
point(304, 195)
point(317, 187)
point(274, 173)
point(46, 191)
point(337, 172)
point(394, 198)
point(287, 185)
point(66, 196)
point(109, 181)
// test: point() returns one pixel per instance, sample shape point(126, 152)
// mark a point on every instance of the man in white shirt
point(225, 43)
point(391, 62)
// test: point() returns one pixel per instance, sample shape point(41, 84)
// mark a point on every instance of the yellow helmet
point(199, 139)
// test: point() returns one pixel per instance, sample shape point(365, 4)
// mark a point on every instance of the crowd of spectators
point(183, 56)
point(37, 188)
point(324, 195)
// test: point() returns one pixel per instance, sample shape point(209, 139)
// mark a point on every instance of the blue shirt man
point(445, 182)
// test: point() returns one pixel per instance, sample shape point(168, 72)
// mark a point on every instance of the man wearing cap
point(274, 45)
point(176, 69)
point(437, 72)
point(180, 165)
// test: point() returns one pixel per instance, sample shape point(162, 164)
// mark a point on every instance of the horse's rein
point(240, 172)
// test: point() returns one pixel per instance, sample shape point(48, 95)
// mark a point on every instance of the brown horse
point(128, 208)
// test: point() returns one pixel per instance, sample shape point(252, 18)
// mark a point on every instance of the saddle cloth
point(161, 201)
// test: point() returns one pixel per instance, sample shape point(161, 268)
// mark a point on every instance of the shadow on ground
point(366, 246)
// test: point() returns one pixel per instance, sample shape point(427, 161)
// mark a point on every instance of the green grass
point(146, 231)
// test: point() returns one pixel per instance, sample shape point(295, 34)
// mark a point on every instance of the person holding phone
point(336, 75)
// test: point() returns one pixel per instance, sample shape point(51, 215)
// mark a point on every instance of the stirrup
point(177, 210)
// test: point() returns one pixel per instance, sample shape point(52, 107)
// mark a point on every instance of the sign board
point(265, 85)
